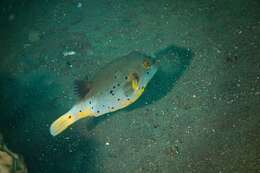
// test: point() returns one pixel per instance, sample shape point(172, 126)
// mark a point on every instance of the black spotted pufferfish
point(117, 85)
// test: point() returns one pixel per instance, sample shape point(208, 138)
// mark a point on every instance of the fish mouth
point(154, 67)
point(156, 63)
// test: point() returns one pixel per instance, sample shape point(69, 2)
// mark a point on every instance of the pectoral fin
point(134, 79)
point(132, 84)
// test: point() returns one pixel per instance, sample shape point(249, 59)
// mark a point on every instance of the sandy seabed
point(200, 113)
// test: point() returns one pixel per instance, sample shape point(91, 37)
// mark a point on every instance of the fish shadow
point(174, 61)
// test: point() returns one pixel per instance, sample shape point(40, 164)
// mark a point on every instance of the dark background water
point(200, 113)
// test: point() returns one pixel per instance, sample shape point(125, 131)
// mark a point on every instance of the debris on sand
point(11, 17)
point(79, 5)
point(9, 161)
point(34, 36)
point(68, 53)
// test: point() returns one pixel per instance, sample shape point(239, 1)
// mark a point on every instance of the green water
point(200, 112)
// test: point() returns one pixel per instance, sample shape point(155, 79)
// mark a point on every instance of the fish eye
point(146, 64)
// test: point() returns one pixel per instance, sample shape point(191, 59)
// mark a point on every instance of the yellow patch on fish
point(83, 113)
point(134, 85)
point(67, 119)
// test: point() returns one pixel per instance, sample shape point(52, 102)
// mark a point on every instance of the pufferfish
point(116, 86)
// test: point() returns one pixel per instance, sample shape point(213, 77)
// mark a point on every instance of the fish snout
point(156, 62)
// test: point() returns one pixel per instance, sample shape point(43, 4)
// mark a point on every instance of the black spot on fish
point(80, 111)
point(118, 84)
point(103, 105)
point(114, 87)
point(92, 107)
point(147, 72)
point(118, 99)
point(115, 76)
point(112, 107)
point(112, 92)
point(126, 77)
point(70, 117)
point(90, 102)
point(128, 99)
point(98, 111)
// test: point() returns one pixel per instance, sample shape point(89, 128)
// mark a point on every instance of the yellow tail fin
point(67, 119)
point(61, 124)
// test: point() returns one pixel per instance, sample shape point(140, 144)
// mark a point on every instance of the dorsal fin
point(81, 88)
